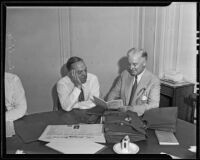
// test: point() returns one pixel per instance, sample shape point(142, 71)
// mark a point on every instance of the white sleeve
point(67, 98)
point(19, 102)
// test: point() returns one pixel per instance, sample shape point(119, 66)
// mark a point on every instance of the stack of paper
point(75, 146)
point(166, 138)
point(93, 132)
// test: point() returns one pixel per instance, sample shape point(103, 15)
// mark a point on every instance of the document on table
point(193, 149)
point(94, 132)
point(75, 146)
point(166, 138)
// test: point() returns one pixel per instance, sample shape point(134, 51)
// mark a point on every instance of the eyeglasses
point(131, 66)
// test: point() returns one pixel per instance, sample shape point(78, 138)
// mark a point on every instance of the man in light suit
point(137, 87)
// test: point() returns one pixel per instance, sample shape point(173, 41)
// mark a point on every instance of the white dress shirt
point(68, 94)
point(139, 76)
point(15, 99)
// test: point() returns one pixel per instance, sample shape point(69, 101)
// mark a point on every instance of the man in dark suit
point(137, 87)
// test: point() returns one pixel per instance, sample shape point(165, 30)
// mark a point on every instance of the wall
point(40, 40)
point(33, 53)
point(102, 36)
point(169, 40)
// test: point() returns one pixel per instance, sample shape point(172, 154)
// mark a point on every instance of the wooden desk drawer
point(167, 91)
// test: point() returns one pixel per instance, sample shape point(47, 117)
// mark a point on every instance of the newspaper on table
point(93, 132)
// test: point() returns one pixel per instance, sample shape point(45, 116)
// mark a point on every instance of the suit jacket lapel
point(128, 88)
point(141, 85)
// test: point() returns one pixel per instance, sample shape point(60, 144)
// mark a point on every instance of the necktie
point(133, 91)
point(81, 96)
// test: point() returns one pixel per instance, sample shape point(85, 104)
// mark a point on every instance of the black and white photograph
point(116, 81)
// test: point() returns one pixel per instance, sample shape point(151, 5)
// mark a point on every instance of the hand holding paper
point(112, 105)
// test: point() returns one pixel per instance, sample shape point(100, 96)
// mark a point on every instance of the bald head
point(137, 61)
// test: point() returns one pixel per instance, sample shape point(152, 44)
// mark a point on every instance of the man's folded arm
point(67, 98)
point(69, 101)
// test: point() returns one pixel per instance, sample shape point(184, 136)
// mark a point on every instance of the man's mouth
point(133, 71)
point(83, 79)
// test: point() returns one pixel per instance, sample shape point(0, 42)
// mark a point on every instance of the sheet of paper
point(72, 131)
point(115, 104)
point(100, 139)
point(75, 146)
point(100, 102)
point(193, 149)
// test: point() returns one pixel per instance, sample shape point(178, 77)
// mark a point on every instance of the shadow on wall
point(122, 65)
point(56, 103)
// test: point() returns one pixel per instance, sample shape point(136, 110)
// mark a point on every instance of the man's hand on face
point(75, 79)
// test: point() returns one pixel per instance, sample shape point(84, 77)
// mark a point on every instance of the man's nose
point(132, 66)
point(84, 73)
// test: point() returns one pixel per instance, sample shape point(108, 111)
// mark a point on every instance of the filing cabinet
point(177, 95)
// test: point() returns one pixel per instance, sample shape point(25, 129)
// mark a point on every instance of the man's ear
point(70, 73)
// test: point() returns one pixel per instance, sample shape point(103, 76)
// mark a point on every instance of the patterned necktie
point(133, 91)
point(81, 96)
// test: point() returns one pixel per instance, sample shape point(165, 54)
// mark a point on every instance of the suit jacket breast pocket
point(142, 99)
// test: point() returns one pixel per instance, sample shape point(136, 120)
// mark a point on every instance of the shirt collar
point(139, 76)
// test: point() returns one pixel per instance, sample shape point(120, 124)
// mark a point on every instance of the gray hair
point(136, 50)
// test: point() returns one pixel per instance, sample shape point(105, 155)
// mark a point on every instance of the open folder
point(113, 104)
